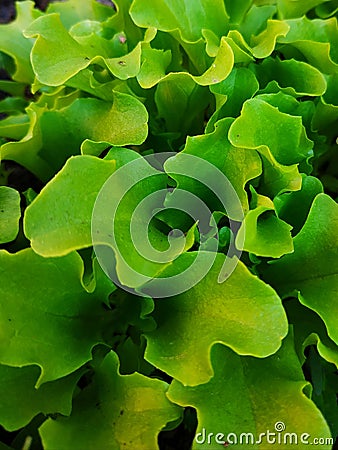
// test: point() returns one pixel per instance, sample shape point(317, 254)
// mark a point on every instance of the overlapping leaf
point(315, 39)
point(277, 178)
point(59, 229)
point(309, 329)
point(238, 165)
point(237, 401)
point(13, 43)
point(312, 269)
point(126, 412)
point(18, 383)
point(64, 324)
point(255, 127)
point(190, 19)
point(72, 12)
point(235, 313)
point(249, 87)
point(56, 135)
point(303, 78)
point(293, 207)
point(262, 232)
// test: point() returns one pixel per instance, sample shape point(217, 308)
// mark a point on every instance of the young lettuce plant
point(168, 225)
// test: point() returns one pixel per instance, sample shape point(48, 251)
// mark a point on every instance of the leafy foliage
point(168, 224)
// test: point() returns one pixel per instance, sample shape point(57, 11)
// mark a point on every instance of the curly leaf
point(262, 232)
point(65, 324)
point(293, 207)
point(303, 78)
point(238, 400)
point(277, 178)
point(255, 20)
point(239, 165)
point(72, 12)
point(126, 412)
point(55, 135)
point(189, 18)
point(54, 65)
point(232, 92)
point(312, 270)
point(264, 44)
point(290, 8)
point(180, 101)
point(14, 127)
point(18, 383)
point(309, 329)
point(256, 127)
point(236, 313)
point(14, 44)
point(315, 39)
point(56, 228)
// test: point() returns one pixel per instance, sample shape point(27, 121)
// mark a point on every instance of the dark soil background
point(7, 9)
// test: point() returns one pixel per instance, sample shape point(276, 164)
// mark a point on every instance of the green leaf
point(125, 229)
point(122, 123)
point(122, 23)
point(262, 232)
point(154, 65)
point(238, 87)
point(241, 50)
point(277, 178)
point(309, 329)
point(255, 20)
point(326, 112)
point(324, 394)
point(126, 412)
point(312, 269)
point(56, 227)
point(14, 44)
point(327, 9)
point(289, 8)
point(14, 127)
point(236, 313)
point(315, 39)
point(54, 64)
point(154, 70)
point(13, 105)
point(239, 165)
point(181, 103)
point(256, 127)
point(251, 396)
point(264, 44)
point(237, 10)
point(26, 150)
point(12, 88)
point(302, 78)
point(72, 12)
point(64, 324)
point(18, 383)
point(10, 214)
point(293, 207)
point(130, 310)
point(56, 135)
point(220, 68)
point(189, 18)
